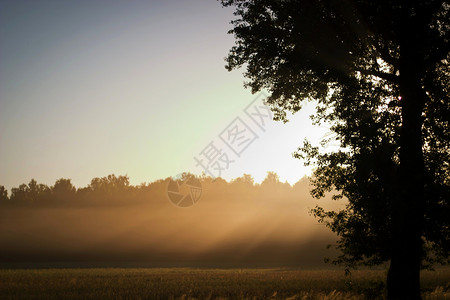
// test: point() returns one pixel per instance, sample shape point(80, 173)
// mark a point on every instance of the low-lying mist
point(232, 224)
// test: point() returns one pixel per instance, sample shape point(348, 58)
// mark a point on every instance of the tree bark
point(403, 281)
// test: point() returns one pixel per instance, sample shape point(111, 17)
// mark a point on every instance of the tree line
point(114, 189)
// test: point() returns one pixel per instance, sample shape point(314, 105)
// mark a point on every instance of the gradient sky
point(91, 88)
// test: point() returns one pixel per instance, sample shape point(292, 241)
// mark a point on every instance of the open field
point(190, 283)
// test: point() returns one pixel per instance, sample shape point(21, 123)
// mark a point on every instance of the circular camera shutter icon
point(184, 193)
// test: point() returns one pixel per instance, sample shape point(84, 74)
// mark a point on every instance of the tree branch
point(386, 76)
point(386, 56)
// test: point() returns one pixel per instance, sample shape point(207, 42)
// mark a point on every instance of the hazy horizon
point(236, 223)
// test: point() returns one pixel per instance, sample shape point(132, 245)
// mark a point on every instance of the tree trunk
point(403, 281)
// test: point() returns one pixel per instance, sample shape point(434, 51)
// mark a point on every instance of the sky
point(137, 88)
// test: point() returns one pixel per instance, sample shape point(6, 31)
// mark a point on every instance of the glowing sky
point(90, 88)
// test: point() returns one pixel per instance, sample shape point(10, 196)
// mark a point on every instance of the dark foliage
point(379, 73)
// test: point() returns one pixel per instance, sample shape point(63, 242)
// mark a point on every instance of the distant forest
point(114, 190)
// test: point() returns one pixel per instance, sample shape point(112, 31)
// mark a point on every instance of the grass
point(190, 283)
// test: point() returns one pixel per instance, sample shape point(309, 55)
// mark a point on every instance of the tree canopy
point(378, 71)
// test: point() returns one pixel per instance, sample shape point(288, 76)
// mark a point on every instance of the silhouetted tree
point(110, 188)
point(63, 191)
point(246, 180)
point(19, 195)
point(379, 73)
point(109, 184)
point(272, 185)
point(244, 183)
point(3, 195)
point(31, 193)
point(271, 179)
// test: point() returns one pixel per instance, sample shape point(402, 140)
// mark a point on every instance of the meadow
point(192, 283)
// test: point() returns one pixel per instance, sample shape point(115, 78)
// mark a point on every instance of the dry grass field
point(191, 283)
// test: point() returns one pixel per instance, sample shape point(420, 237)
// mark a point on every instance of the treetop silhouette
point(378, 71)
